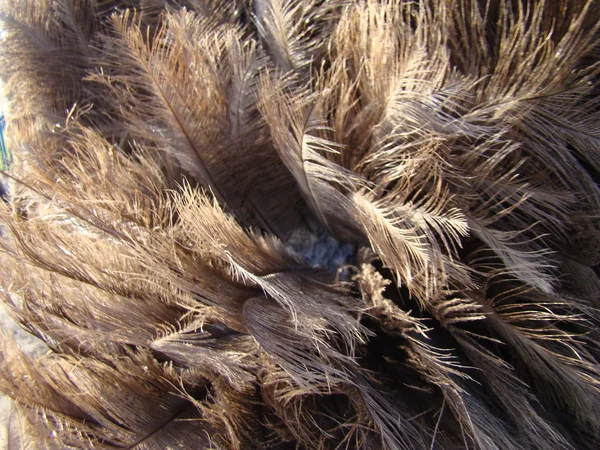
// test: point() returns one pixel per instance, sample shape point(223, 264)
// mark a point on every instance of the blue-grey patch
point(321, 249)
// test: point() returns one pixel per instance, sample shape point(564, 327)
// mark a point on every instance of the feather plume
point(301, 224)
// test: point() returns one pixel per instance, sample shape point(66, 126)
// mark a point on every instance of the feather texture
point(302, 224)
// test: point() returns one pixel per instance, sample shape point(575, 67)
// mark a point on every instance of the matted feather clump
point(286, 224)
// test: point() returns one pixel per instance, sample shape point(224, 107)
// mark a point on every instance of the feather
point(290, 31)
point(295, 124)
point(287, 224)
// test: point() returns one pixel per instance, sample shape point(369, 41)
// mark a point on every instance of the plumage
point(302, 224)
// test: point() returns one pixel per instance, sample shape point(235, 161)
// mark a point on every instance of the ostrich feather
point(301, 224)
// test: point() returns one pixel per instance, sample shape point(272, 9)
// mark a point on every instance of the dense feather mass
point(278, 224)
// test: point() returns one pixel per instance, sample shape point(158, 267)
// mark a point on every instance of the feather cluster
point(290, 224)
